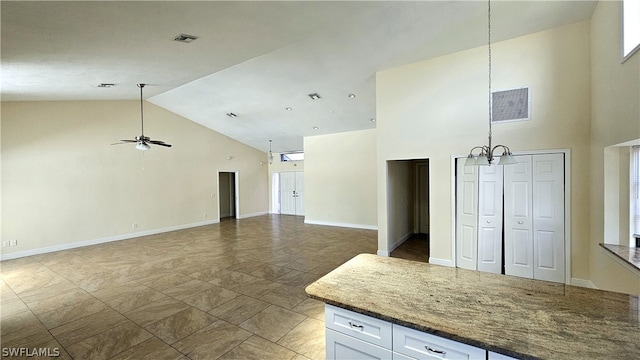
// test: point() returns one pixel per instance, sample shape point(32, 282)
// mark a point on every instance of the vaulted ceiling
point(254, 59)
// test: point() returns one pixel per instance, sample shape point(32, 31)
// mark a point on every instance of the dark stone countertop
point(523, 318)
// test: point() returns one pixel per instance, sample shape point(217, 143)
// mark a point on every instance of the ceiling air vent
point(511, 105)
point(185, 38)
point(314, 96)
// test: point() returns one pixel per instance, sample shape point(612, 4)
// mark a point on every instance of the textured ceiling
point(252, 58)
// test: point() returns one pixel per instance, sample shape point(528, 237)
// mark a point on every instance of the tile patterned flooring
point(233, 290)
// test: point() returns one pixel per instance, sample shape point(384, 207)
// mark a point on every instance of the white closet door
point(518, 218)
point(548, 217)
point(299, 193)
point(467, 216)
point(490, 219)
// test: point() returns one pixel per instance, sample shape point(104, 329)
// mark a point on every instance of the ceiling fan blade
point(161, 143)
point(125, 142)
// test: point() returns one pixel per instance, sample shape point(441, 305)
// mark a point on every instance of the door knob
point(520, 222)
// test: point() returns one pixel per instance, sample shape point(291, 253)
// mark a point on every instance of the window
point(292, 156)
point(630, 27)
point(635, 192)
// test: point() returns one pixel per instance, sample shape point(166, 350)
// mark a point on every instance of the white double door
point(513, 216)
point(292, 193)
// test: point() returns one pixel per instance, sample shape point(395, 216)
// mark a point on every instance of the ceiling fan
point(143, 141)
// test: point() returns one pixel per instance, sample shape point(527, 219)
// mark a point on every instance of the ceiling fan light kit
point(142, 142)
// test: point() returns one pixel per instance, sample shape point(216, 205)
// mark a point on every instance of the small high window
point(292, 156)
point(630, 27)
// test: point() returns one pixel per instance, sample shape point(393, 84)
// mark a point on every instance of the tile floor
point(233, 290)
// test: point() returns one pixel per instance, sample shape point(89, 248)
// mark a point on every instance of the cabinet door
point(518, 218)
point(343, 347)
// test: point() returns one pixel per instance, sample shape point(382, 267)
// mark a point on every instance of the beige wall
point(438, 108)
point(63, 183)
point(615, 97)
point(340, 179)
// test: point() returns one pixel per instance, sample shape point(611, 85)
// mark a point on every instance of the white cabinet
point(343, 347)
point(367, 328)
point(420, 345)
point(350, 335)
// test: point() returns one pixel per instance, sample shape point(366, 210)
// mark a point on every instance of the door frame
point(236, 195)
point(567, 204)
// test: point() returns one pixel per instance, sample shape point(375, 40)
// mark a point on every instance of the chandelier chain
point(489, 49)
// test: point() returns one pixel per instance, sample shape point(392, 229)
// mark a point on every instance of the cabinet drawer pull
point(435, 351)
point(356, 326)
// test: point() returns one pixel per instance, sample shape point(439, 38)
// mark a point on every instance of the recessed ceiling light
point(185, 38)
point(232, 115)
point(314, 96)
point(288, 108)
point(315, 128)
point(351, 96)
point(105, 85)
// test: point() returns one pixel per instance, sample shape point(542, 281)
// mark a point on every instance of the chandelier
point(485, 157)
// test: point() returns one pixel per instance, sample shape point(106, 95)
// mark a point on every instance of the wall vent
point(511, 105)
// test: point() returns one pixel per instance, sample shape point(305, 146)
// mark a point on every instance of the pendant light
point(485, 157)
point(270, 154)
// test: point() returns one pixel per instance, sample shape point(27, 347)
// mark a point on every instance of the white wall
point(340, 179)
point(63, 183)
point(615, 97)
point(438, 108)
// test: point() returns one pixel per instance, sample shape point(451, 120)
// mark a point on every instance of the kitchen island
point(520, 318)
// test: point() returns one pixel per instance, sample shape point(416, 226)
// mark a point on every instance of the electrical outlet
point(134, 226)
point(14, 242)
point(205, 215)
point(6, 243)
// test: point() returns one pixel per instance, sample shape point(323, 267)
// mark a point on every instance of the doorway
point(291, 193)
point(227, 195)
point(408, 208)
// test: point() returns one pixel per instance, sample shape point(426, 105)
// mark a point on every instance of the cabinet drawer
point(344, 347)
point(421, 345)
point(360, 326)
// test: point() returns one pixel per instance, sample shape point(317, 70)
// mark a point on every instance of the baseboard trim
point(347, 225)
point(244, 216)
point(48, 249)
point(582, 283)
point(400, 240)
point(442, 262)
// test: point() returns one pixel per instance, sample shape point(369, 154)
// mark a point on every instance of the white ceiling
point(252, 58)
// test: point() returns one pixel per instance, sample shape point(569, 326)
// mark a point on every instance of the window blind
point(635, 183)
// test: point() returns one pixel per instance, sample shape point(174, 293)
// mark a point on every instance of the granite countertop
point(518, 317)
